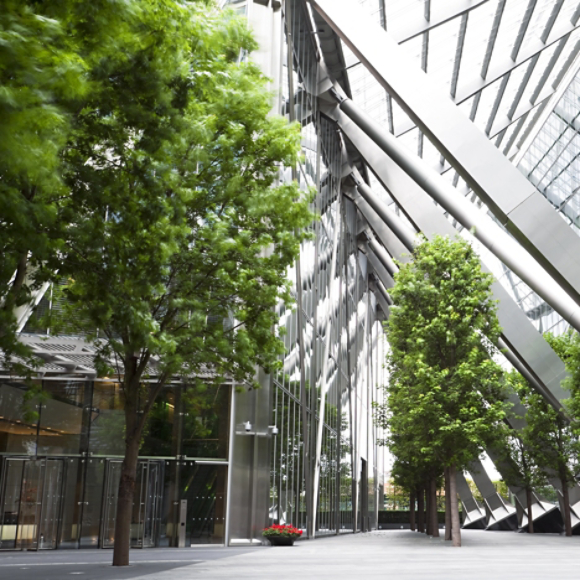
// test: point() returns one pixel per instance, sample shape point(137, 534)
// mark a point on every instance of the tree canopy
point(158, 202)
point(445, 393)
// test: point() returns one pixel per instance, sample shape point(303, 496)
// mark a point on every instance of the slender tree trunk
point(447, 507)
point(566, 497)
point(421, 510)
point(428, 512)
point(455, 524)
point(433, 494)
point(529, 501)
point(412, 510)
point(133, 429)
point(125, 505)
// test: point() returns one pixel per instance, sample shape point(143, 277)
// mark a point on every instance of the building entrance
point(146, 504)
point(30, 503)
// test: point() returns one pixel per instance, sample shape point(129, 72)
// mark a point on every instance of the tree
point(445, 396)
point(174, 235)
point(553, 443)
point(519, 462)
point(41, 77)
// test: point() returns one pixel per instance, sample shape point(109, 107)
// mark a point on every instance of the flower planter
point(282, 535)
point(281, 541)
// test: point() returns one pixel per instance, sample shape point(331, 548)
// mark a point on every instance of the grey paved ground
point(96, 564)
point(396, 555)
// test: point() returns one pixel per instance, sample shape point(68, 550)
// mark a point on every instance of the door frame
point(141, 487)
point(25, 459)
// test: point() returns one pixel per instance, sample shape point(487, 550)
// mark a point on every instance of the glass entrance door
point(148, 517)
point(30, 500)
point(50, 507)
point(10, 492)
point(146, 503)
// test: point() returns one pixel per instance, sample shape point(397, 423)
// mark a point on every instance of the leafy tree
point(41, 76)
point(162, 208)
point(553, 443)
point(520, 467)
point(445, 396)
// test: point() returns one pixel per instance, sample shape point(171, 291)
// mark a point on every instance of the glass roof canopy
point(501, 63)
point(499, 60)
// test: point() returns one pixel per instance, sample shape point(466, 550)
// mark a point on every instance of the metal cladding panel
point(241, 465)
point(483, 482)
point(530, 215)
point(262, 449)
point(249, 463)
point(428, 218)
point(464, 492)
point(393, 243)
point(379, 269)
point(362, 260)
point(491, 175)
point(350, 212)
point(529, 345)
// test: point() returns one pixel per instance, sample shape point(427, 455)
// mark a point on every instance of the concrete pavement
point(396, 555)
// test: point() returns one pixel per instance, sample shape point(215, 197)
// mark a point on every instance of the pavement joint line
point(13, 565)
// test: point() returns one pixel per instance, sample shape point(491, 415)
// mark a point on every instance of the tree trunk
point(433, 494)
point(566, 494)
point(447, 507)
point(428, 512)
point(133, 429)
point(529, 501)
point(412, 510)
point(421, 510)
point(455, 524)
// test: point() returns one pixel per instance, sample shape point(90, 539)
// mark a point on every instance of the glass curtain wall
point(326, 373)
point(60, 457)
point(552, 164)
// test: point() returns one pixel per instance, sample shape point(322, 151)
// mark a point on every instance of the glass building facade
point(61, 454)
point(302, 450)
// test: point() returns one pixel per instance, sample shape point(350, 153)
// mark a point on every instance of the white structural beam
point(518, 332)
point(450, 10)
point(474, 88)
point(513, 200)
point(458, 54)
point(492, 38)
point(447, 11)
point(523, 29)
point(507, 64)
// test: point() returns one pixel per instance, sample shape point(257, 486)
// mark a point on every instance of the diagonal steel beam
point(496, 103)
point(513, 200)
point(534, 61)
point(552, 19)
point(492, 38)
point(503, 123)
point(518, 331)
point(523, 85)
point(446, 12)
point(408, 125)
point(523, 29)
point(549, 68)
point(458, 54)
point(507, 64)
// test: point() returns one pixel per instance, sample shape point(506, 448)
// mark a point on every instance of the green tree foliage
point(567, 347)
point(163, 209)
point(445, 397)
point(520, 467)
point(41, 76)
point(552, 441)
